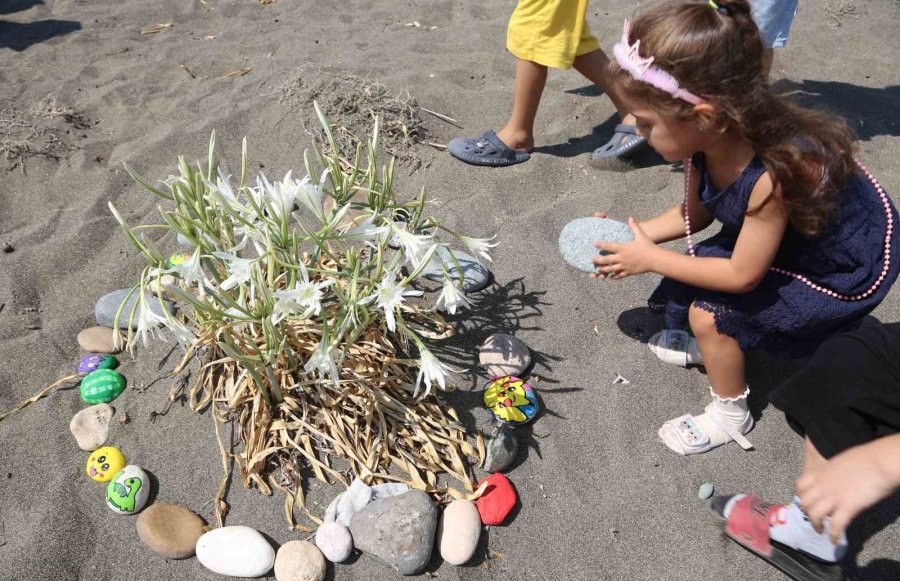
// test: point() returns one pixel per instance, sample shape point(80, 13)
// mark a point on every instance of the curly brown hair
point(717, 54)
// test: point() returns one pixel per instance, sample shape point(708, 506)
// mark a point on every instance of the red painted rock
point(498, 500)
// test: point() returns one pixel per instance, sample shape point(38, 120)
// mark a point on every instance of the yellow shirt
point(550, 32)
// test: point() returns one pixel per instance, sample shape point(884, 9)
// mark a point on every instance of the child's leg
point(722, 355)
point(519, 130)
point(593, 66)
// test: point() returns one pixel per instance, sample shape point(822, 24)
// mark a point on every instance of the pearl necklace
point(887, 238)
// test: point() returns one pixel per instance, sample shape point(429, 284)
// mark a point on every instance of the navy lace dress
point(783, 311)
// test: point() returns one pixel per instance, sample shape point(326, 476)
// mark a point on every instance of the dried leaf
point(156, 28)
point(237, 73)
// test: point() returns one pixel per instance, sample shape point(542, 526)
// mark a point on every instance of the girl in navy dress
point(805, 247)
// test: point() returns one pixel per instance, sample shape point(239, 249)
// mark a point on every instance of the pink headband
point(642, 69)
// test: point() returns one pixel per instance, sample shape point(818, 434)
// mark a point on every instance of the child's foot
point(488, 150)
point(781, 535)
point(676, 347)
point(515, 139)
point(723, 420)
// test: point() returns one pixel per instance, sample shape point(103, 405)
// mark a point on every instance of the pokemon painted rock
point(104, 463)
point(511, 400)
point(102, 386)
point(128, 491)
point(94, 361)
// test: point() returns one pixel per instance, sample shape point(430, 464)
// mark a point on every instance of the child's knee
point(703, 323)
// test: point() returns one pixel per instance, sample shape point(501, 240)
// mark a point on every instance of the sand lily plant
point(299, 300)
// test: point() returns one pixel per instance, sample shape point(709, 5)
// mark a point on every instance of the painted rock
point(90, 426)
point(502, 354)
point(104, 463)
point(458, 531)
point(170, 530)
point(706, 491)
point(128, 491)
point(102, 386)
point(236, 551)
point(98, 340)
point(108, 305)
point(94, 361)
point(501, 447)
point(498, 500)
point(299, 561)
point(178, 259)
point(335, 541)
point(475, 276)
point(576, 241)
point(511, 400)
point(398, 530)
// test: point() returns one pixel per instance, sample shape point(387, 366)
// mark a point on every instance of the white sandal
point(685, 436)
point(676, 347)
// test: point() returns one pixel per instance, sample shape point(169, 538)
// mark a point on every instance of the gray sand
point(601, 498)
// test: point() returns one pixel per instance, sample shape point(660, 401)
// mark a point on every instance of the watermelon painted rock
point(94, 361)
point(102, 386)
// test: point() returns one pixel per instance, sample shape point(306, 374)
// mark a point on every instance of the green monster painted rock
point(102, 386)
point(127, 492)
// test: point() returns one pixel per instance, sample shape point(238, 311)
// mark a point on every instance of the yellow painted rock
point(104, 463)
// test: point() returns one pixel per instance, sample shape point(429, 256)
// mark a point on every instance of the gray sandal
point(487, 150)
point(623, 142)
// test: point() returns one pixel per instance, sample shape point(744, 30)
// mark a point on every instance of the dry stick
point(440, 146)
point(219, 500)
point(47, 391)
point(449, 120)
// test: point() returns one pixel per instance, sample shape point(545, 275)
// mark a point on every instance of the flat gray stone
point(576, 241)
point(398, 530)
point(346, 504)
point(388, 490)
point(500, 448)
point(475, 275)
point(183, 241)
point(503, 354)
point(106, 308)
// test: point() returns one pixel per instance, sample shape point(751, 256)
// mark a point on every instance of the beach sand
point(601, 498)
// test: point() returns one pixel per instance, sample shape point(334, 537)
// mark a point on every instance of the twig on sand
point(156, 28)
point(238, 73)
point(442, 117)
point(221, 506)
point(64, 382)
point(440, 146)
point(188, 71)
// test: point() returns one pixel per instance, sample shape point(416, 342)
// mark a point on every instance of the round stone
point(511, 400)
point(93, 361)
point(104, 463)
point(299, 561)
point(335, 541)
point(98, 340)
point(170, 530)
point(128, 491)
point(497, 501)
point(90, 426)
point(108, 305)
point(236, 551)
point(475, 276)
point(501, 447)
point(706, 491)
point(503, 354)
point(458, 531)
point(158, 285)
point(102, 386)
point(576, 241)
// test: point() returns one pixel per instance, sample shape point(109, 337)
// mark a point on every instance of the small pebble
point(299, 561)
point(90, 426)
point(235, 551)
point(334, 541)
point(503, 354)
point(170, 530)
point(109, 304)
point(475, 276)
point(98, 340)
point(706, 491)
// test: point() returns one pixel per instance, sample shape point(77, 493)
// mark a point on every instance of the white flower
point(305, 295)
point(389, 295)
point(191, 272)
point(365, 230)
point(311, 195)
point(222, 188)
point(430, 370)
point(148, 322)
point(451, 297)
point(182, 334)
point(239, 269)
point(415, 246)
point(478, 246)
point(281, 195)
point(322, 362)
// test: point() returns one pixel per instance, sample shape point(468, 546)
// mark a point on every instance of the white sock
point(791, 527)
point(734, 410)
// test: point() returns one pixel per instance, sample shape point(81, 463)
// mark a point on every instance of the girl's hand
point(844, 486)
point(601, 215)
point(623, 260)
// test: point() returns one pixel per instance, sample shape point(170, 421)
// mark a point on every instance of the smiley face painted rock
point(94, 361)
point(511, 400)
point(102, 386)
point(104, 463)
point(128, 491)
